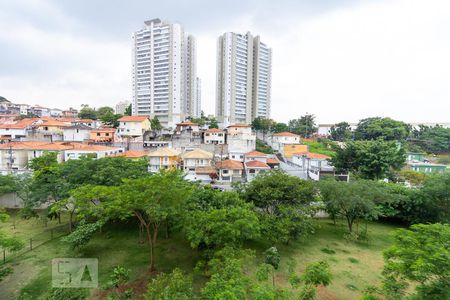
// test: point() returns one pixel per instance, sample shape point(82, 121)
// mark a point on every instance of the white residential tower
point(164, 72)
point(243, 89)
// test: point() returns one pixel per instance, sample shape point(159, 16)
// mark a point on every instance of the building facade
point(164, 72)
point(243, 87)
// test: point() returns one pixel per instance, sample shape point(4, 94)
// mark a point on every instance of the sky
point(339, 60)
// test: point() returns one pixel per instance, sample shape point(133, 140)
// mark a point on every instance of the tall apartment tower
point(198, 103)
point(164, 72)
point(243, 78)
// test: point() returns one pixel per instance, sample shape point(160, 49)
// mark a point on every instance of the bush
point(67, 294)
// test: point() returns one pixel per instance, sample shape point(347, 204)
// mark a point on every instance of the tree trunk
point(350, 224)
point(59, 218)
point(71, 220)
point(167, 229)
point(150, 244)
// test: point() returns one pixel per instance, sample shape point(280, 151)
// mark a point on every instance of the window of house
point(251, 171)
point(98, 134)
point(225, 171)
point(106, 134)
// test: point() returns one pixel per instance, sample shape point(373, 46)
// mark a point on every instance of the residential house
point(56, 112)
point(78, 150)
point(314, 163)
point(214, 136)
point(255, 167)
point(70, 113)
point(163, 158)
point(415, 156)
point(40, 111)
point(134, 154)
point(230, 170)
point(52, 125)
point(205, 175)
point(196, 158)
point(289, 150)
point(423, 167)
point(278, 140)
point(17, 129)
point(240, 140)
point(87, 122)
point(102, 135)
point(77, 133)
point(15, 156)
point(187, 126)
point(133, 127)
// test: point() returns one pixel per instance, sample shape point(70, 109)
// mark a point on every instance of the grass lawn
point(354, 266)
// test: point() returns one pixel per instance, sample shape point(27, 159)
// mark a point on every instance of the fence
point(34, 242)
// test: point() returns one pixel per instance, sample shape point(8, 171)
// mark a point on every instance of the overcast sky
point(340, 60)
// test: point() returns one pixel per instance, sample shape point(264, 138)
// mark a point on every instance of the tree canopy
point(304, 126)
point(382, 128)
point(372, 159)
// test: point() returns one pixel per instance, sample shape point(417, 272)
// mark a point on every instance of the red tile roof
point(133, 119)
point(214, 130)
point(285, 133)
point(256, 164)
point(134, 154)
point(104, 129)
point(20, 124)
point(255, 154)
point(313, 155)
point(229, 164)
point(239, 125)
point(187, 123)
point(273, 161)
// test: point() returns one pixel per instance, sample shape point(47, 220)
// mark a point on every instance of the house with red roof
point(278, 140)
point(314, 163)
point(214, 136)
point(133, 127)
point(230, 170)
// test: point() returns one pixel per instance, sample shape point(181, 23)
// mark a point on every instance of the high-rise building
point(121, 107)
point(198, 103)
point(243, 78)
point(164, 72)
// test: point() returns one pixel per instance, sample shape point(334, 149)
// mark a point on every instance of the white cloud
point(379, 57)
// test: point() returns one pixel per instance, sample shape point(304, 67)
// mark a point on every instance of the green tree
point(382, 128)
point(87, 112)
point(430, 202)
point(317, 273)
point(369, 159)
point(262, 124)
point(110, 119)
point(213, 123)
point(216, 219)
point(419, 255)
point(103, 111)
point(82, 234)
point(8, 242)
point(432, 139)
point(128, 110)
point(152, 200)
point(168, 286)
point(8, 184)
point(354, 201)
point(305, 126)
point(341, 132)
point(155, 124)
point(280, 127)
point(283, 203)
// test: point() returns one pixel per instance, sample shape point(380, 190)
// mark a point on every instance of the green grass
point(317, 147)
point(354, 265)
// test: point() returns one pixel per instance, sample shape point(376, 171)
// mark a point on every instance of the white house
point(214, 136)
point(17, 129)
point(77, 133)
point(313, 163)
point(97, 151)
point(284, 138)
point(255, 167)
point(133, 126)
point(187, 126)
point(240, 140)
point(56, 112)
